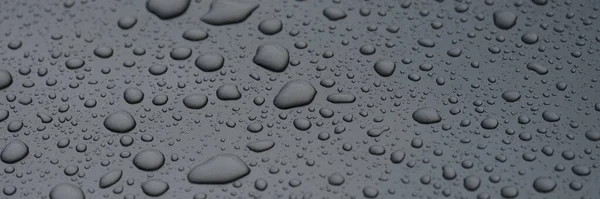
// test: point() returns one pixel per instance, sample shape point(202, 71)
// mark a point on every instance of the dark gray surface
point(519, 105)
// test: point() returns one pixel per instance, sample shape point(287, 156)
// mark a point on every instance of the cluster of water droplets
point(300, 99)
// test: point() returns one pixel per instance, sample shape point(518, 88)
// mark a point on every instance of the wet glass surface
point(299, 99)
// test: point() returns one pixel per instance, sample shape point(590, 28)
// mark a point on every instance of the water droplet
point(454, 52)
point(505, 19)
point(426, 115)
point(530, 38)
point(149, 160)
point(219, 169)
point(489, 123)
point(336, 179)
point(209, 62)
point(260, 145)
point(581, 170)
point(14, 152)
point(14, 126)
point(157, 69)
point(397, 156)
point(538, 68)
point(302, 124)
point(295, 93)
point(544, 184)
point(228, 92)
point(385, 68)
point(448, 172)
point(272, 56)
point(3, 114)
point(590, 135)
point(341, 98)
point(103, 52)
point(155, 187)
point(167, 9)
point(511, 96)
point(471, 182)
point(270, 26)
point(74, 63)
point(550, 116)
point(195, 35)
point(120, 122)
point(377, 150)
point(367, 50)
point(255, 127)
point(426, 43)
point(9, 190)
point(110, 178)
point(509, 192)
point(195, 101)
point(66, 191)
point(15, 44)
point(181, 53)
point(5, 79)
point(223, 12)
point(370, 192)
point(334, 14)
point(260, 184)
point(127, 22)
point(540, 2)
point(133, 95)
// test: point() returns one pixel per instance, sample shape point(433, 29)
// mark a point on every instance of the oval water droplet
point(120, 122)
point(295, 93)
point(426, 115)
point(219, 169)
point(14, 152)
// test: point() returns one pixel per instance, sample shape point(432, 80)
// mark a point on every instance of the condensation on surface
point(299, 99)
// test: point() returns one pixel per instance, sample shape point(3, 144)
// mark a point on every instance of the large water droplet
point(133, 95)
point(110, 178)
point(489, 123)
point(5, 79)
point(155, 187)
point(341, 98)
point(209, 62)
point(260, 145)
point(385, 68)
point(195, 101)
point(426, 115)
point(228, 92)
point(334, 14)
point(219, 169)
point(195, 35)
point(149, 160)
point(505, 19)
point(550, 116)
point(74, 63)
point(14, 152)
point(272, 56)
point(127, 22)
point(538, 68)
point(167, 9)
point(511, 96)
point(544, 184)
point(295, 93)
point(120, 122)
point(270, 26)
point(471, 182)
point(66, 191)
point(223, 12)
point(336, 179)
point(180, 53)
point(103, 52)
